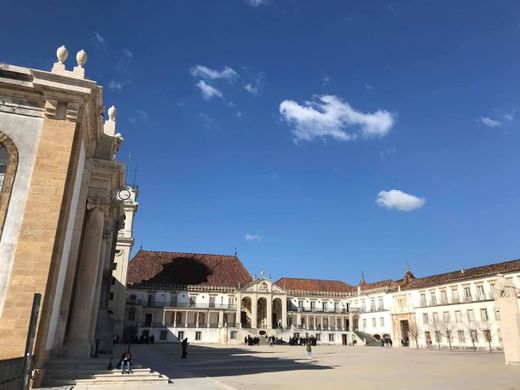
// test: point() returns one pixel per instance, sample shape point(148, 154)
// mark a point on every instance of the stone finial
point(112, 113)
point(81, 58)
point(62, 53)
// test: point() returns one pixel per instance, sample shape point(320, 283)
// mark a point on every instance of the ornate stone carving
point(62, 53)
point(81, 58)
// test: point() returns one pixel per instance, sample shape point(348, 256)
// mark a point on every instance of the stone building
point(59, 213)
point(213, 299)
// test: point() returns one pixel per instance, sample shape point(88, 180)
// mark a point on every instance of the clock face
point(124, 194)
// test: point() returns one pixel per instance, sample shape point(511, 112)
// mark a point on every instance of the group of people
point(302, 340)
point(251, 340)
point(386, 342)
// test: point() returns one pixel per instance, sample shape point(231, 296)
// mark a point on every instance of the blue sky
point(282, 127)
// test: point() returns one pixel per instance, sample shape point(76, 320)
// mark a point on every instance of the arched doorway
point(355, 320)
point(245, 312)
point(261, 310)
point(277, 313)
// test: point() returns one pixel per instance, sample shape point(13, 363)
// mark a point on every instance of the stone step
point(76, 373)
point(112, 379)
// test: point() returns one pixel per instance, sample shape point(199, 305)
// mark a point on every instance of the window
point(111, 296)
point(446, 316)
point(487, 335)
point(364, 305)
point(372, 305)
point(455, 295)
point(331, 337)
point(374, 322)
point(480, 292)
point(474, 335)
point(382, 321)
point(113, 280)
point(435, 317)
point(193, 300)
point(313, 305)
point(114, 266)
point(180, 335)
point(198, 335)
point(211, 301)
point(231, 300)
point(425, 318)
point(380, 304)
point(484, 315)
point(467, 294)
point(499, 335)
point(462, 338)
point(364, 323)
point(130, 316)
point(423, 299)
point(458, 316)
point(296, 335)
point(444, 296)
point(492, 290)
point(233, 335)
point(433, 298)
point(497, 315)
point(318, 336)
point(300, 304)
point(438, 336)
point(133, 297)
point(163, 335)
point(471, 315)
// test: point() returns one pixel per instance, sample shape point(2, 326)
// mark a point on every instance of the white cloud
point(208, 91)
point(99, 38)
point(329, 116)
point(253, 237)
point(396, 199)
point(128, 53)
point(326, 81)
point(369, 87)
point(252, 89)
point(490, 122)
point(212, 74)
point(115, 85)
point(255, 3)
point(143, 114)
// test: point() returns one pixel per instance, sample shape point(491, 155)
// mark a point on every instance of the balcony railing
point(155, 324)
point(182, 305)
point(455, 300)
point(317, 310)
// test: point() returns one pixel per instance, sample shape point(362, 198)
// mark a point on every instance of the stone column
point(254, 311)
point(174, 319)
point(207, 321)
point(321, 322)
point(238, 311)
point(510, 325)
point(269, 315)
point(284, 312)
point(298, 320)
point(83, 308)
point(329, 321)
point(220, 319)
point(350, 322)
point(164, 317)
point(186, 318)
point(197, 320)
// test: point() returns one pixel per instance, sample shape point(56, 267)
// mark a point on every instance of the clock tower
point(125, 242)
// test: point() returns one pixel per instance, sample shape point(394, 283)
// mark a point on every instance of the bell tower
point(125, 242)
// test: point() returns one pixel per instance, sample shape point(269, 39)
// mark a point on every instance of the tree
point(472, 326)
point(438, 329)
point(447, 327)
point(487, 331)
point(414, 330)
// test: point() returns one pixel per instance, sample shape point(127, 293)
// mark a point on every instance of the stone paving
point(285, 367)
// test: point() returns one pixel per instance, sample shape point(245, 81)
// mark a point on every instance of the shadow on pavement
point(216, 362)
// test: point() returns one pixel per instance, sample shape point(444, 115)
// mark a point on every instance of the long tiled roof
point(464, 274)
point(314, 285)
point(174, 268)
point(383, 284)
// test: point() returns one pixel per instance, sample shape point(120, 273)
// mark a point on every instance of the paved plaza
point(331, 367)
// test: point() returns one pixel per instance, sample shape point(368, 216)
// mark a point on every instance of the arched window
point(8, 164)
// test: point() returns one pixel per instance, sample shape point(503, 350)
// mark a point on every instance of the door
point(148, 320)
point(405, 339)
point(344, 339)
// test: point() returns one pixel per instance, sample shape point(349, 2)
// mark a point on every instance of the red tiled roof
point(314, 285)
point(149, 267)
point(470, 273)
point(380, 284)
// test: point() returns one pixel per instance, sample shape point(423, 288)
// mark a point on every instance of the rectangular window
point(111, 296)
point(313, 305)
point(462, 338)
point(233, 335)
point(444, 297)
point(458, 316)
point(372, 305)
point(446, 316)
point(300, 304)
point(374, 322)
point(163, 335)
point(193, 300)
point(497, 315)
point(433, 298)
point(435, 317)
point(425, 318)
point(487, 335)
point(113, 280)
point(467, 294)
point(180, 335)
point(114, 266)
point(455, 295)
point(471, 315)
point(474, 335)
point(198, 335)
point(296, 335)
point(212, 301)
point(423, 299)
point(484, 315)
point(492, 290)
point(382, 321)
point(364, 323)
point(331, 337)
point(318, 336)
point(380, 304)
point(438, 336)
point(480, 292)
point(231, 301)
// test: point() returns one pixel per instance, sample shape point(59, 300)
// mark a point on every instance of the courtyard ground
point(286, 367)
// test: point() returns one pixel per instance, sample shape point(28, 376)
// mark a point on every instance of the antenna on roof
point(408, 267)
point(135, 176)
point(236, 253)
point(129, 161)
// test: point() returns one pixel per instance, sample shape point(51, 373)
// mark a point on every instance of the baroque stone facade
point(59, 213)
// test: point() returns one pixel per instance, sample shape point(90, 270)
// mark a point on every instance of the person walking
point(184, 346)
point(309, 351)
